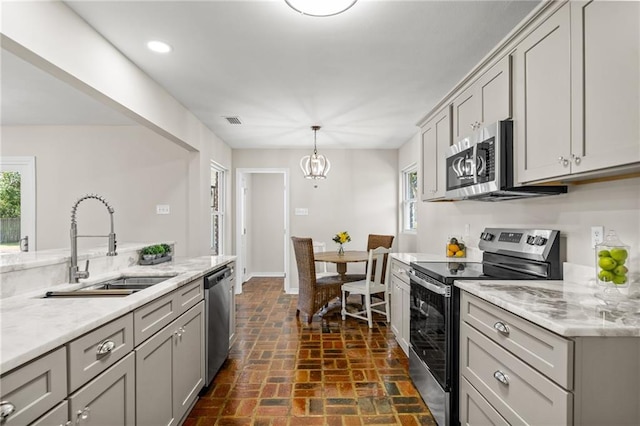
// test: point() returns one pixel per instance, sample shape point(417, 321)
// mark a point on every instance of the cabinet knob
point(82, 415)
point(576, 159)
point(106, 347)
point(501, 377)
point(6, 409)
point(501, 327)
point(563, 161)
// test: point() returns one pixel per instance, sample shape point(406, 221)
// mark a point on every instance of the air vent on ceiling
point(233, 120)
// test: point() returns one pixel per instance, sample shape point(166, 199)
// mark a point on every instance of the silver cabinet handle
point(576, 159)
point(563, 161)
point(106, 347)
point(501, 377)
point(6, 409)
point(179, 332)
point(502, 328)
point(82, 415)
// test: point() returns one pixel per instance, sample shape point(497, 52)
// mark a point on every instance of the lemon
point(619, 254)
point(605, 276)
point(607, 263)
point(460, 253)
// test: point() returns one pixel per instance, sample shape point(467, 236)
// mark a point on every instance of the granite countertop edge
point(31, 326)
point(565, 308)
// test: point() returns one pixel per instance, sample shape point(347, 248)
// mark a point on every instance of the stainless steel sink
point(121, 286)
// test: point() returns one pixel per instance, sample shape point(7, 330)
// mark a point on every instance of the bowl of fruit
point(456, 247)
point(611, 258)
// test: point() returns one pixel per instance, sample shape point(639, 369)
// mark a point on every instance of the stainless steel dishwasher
point(217, 287)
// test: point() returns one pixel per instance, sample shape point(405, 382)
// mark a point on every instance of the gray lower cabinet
point(58, 416)
point(108, 399)
point(170, 370)
point(31, 390)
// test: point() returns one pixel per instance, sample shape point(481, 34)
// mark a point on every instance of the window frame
point(406, 201)
point(220, 212)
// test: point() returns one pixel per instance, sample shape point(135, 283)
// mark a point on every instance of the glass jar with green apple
point(611, 261)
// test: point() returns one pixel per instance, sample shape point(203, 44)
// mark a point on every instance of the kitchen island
point(547, 352)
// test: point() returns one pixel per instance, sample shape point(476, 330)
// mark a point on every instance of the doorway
point(18, 209)
point(262, 224)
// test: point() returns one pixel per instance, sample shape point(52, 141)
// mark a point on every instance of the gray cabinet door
point(542, 73)
point(154, 380)
point(58, 416)
point(189, 359)
point(605, 37)
point(109, 399)
point(436, 140)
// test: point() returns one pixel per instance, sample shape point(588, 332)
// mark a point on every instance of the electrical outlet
point(597, 235)
point(163, 209)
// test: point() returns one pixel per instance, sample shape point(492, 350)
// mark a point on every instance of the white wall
point(131, 166)
point(407, 155)
point(614, 205)
point(266, 228)
point(359, 195)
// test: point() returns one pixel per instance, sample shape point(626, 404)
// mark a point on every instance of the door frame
point(241, 173)
point(27, 168)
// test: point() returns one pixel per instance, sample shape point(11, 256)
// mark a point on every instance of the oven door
point(431, 326)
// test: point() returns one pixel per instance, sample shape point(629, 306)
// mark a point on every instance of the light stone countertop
point(31, 326)
point(569, 309)
point(407, 258)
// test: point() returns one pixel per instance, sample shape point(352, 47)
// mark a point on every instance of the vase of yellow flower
point(341, 238)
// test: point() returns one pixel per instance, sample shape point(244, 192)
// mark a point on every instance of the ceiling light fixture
point(320, 7)
point(315, 166)
point(159, 46)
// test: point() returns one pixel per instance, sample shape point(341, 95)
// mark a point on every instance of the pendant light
point(320, 7)
point(315, 166)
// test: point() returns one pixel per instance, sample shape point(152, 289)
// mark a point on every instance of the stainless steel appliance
point(481, 168)
point(515, 254)
point(217, 286)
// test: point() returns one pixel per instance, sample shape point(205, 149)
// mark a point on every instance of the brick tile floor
point(282, 371)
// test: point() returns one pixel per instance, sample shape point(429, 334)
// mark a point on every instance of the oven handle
point(429, 286)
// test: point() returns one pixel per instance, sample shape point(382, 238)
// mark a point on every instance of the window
point(217, 209)
point(409, 197)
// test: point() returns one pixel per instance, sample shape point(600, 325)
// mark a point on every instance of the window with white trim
point(217, 210)
point(409, 198)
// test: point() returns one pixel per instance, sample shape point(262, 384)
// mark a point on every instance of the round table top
point(348, 256)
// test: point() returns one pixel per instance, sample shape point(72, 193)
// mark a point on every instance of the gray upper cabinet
point(486, 101)
point(436, 140)
point(605, 39)
point(542, 74)
point(577, 85)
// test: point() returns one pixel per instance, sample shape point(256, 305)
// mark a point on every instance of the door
point(542, 71)
point(436, 140)
point(606, 84)
point(18, 206)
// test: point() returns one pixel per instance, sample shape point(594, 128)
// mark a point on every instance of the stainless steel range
point(513, 254)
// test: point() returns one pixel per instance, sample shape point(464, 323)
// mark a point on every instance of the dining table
point(341, 260)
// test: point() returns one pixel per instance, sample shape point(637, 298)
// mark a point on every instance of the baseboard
point(266, 275)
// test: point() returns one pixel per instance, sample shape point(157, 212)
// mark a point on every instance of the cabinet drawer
point(189, 295)
point(540, 348)
point(475, 410)
point(526, 397)
point(57, 416)
point(152, 317)
point(35, 388)
point(90, 355)
point(400, 270)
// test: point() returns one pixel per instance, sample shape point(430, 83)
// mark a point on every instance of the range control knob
point(540, 241)
point(488, 236)
point(530, 239)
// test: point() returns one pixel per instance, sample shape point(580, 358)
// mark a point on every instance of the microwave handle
point(475, 163)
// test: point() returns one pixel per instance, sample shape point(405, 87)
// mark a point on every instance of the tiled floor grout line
point(282, 371)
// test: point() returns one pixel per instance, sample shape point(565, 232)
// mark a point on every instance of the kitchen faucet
point(74, 273)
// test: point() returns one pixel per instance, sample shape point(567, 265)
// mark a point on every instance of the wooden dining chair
point(321, 267)
point(313, 293)
point(374, 283)
point(373, 241)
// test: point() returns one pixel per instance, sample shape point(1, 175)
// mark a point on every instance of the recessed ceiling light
point(320, 7)
point(159, 46)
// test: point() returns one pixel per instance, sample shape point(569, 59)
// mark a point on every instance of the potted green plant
point(167, 249)
point(148, 253)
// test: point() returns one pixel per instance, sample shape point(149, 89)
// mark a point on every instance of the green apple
point(620, 270)
point(604, 253)
point(607, 263)
point(619, 279)
point(605, 276)
point(619, 254)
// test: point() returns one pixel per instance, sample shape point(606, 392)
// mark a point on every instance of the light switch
point(302, 211)
point(163, 209)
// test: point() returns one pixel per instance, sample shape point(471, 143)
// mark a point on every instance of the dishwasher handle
point(217, 276)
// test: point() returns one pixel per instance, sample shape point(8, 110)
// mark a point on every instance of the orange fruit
point(454, 248)
point(459, 253)
point(450, 253)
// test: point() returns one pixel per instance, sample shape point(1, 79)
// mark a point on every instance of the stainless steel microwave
point(481, 167)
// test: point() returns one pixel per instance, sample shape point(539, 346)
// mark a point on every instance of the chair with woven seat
point(313, 293)
point(374, 284)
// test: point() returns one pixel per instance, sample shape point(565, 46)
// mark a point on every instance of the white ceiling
point(367, 76)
